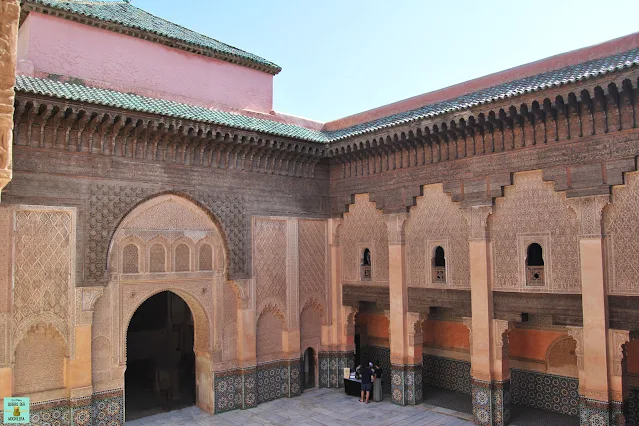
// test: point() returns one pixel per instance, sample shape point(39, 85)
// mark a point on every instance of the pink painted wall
point(110, 60)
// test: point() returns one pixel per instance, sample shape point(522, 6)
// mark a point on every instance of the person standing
point(377, 383)
point(367, 379)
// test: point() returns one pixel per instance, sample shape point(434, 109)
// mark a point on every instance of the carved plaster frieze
point(589, 211)
point(617, 340)
point(396, 231)
point(478, 218)
point(348, 316)
point(578, 334)
point(468, 322)
point(415, 323)
point(500, 329)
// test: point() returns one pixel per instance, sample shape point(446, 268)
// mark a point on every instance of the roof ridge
point(156, 25)
point(533, 83)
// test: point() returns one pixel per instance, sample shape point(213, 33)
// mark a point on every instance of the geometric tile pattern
point(81, 411)
point(331, 368)
point(406, 384)
point(501, 402)
point(51, 413)
point(545, 391)
point(381, 354)
point(632, 407)
point(272, 381)
point(593, 412)
point(482, 402)
point(228, 390)
point(108, 408)
point(447, 373)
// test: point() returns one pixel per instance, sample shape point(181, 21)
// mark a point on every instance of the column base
point(491, 402)
point(593, 412)
point(406, 384)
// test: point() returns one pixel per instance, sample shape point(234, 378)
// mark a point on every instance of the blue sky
point(341, 57)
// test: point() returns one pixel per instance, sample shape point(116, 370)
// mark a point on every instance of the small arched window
point(365, 269)
point(535, 255)
point(182, 258)
point(439, 259)
point(130, 259)
point(439, 265)
point(535, 265)
point(366, 258)
point(206, 257)
point(157, 258)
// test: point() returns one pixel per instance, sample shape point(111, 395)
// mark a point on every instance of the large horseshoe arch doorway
point(160, 374)
point(161, 315)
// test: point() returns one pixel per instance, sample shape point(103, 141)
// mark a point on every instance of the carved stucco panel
point(436, 220)
point(270, 266)
point(44, 277)
point(532, 207)
point(364, 227)
point(313, 256)
point(621, 228)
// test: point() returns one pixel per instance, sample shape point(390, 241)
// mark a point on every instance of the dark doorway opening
point(309, 368)
point(160, 373)
point(358, 350)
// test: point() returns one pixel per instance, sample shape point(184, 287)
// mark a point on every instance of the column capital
point(334, 226)
point(415, 323)
point(589, 210)
point(477, 218)
point(617, 340)
point(395, 224)
point(577, 333)
point(86, 298)
point(468, 322)
point(501, 329)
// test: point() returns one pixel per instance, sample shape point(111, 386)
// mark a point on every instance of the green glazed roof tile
point(127, 15)
point(80, 93)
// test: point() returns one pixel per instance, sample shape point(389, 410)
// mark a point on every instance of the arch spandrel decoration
point(169, 220)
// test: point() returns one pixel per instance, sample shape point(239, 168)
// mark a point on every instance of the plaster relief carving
point(468, 322)
point(532, 207)
point(617, 340)
point(561, 357)
point(577, 334)
point(363, 225)
point(589, 211)
point(437, 221)
point(501, 328)
point(415, 322)
point(270, 326)
point(621, 227)
point(270, 272)
point(44, 246)
point(478, 218)
point(9, 18)
point(313, 259)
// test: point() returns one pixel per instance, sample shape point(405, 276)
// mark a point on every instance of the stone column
point(488, 371)
point(404, 368)
point(79, 368)
point(247, 341)
point(9, 18)
point(6, 280)
point(594, 391)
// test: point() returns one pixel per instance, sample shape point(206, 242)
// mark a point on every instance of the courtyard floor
point(314, 407)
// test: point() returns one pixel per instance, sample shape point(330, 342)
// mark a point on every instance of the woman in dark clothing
point(377, 384)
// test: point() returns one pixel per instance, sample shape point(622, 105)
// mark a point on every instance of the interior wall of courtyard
point(418, 255)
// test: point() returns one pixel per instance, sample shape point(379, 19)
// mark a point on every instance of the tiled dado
point(381, 354)
point(247, 387)
point(331, 368)
point(406, 384)
point(107, 408)
point(632, 407)
point(545, 391)
point(593, 412)
point(491, 402)
point(447, 373)
point(102, 409)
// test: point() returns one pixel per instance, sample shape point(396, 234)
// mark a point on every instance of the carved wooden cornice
point(54, 124)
